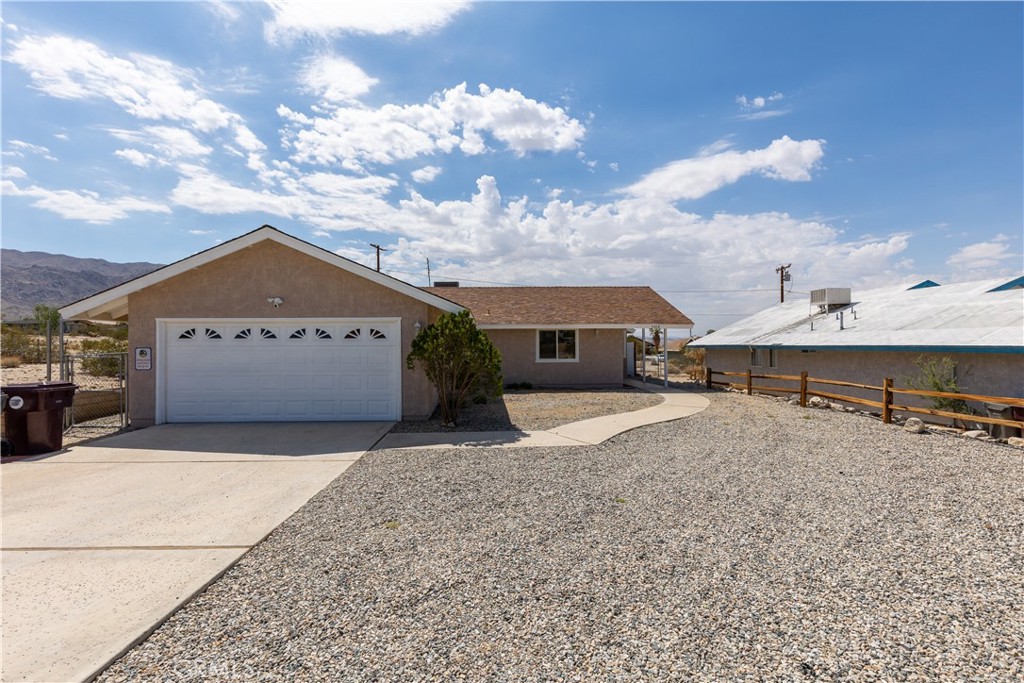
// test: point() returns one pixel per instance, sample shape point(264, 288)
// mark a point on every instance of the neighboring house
point(551, 336)
point(267, 327)
point(868, 336)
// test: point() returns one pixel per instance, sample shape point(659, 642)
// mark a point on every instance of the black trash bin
point(34, 416)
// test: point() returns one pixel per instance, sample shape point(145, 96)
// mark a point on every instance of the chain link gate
point(100, 407)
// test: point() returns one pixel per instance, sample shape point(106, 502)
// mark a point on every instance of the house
point(268, 327)
point(551, 336)
point(864, 337)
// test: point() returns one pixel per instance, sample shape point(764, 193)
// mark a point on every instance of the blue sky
point(693, 147)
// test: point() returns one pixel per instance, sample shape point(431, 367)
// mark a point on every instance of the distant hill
point(28, 278)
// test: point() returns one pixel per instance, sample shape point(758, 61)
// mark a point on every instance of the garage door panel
point(257, 370)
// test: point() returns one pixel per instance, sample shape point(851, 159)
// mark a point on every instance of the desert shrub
point(106, 365)
point(459, 360)
point(9, 361)
point(938, 373)
point(16, 342)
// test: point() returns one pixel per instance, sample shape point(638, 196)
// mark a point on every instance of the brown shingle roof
point(570, 306)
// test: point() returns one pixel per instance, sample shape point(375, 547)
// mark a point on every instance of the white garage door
point(281, 370)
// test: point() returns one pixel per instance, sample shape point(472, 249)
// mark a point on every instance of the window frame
point(756, 357)
point(557, 330)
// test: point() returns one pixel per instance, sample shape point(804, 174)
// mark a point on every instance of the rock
point(817, 402)
point(975, 434)
point(1016, 441)
point(838, 407)
point(794, 401)
point(914, 425)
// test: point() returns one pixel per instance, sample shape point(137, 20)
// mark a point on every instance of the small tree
point(656, 338)
point(47, 314)
point(938, 373)
point(458, 359)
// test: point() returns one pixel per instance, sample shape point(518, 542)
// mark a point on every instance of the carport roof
point(112, 304)
point(531, 307)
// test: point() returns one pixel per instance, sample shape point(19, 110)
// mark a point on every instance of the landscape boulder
point(975, 434)
point(914, 425)
point(1016, 441)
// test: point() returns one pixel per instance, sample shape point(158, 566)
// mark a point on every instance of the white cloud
point(760, 107)
point(336, 79)
point(982, 258)
point(227, 12)
point(84, 205)
point(353, 136)
point(783, 159)
point(135, 157)
point(170, 143)
point(20, 148)
point(426, 174)
point(13, 172)
point(201, 232)
point(146, 87)
point(294, 18)
point(62, 136)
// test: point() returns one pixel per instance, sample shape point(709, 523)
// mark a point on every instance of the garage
point(269, 328)
point(274, 370)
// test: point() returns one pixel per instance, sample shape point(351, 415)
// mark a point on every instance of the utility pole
point(428, 274)
point(379, 249)
point(783, 272)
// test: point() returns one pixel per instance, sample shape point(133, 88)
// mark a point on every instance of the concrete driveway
point(102, 541)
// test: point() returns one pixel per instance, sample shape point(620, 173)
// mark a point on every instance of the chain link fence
point(100, 407)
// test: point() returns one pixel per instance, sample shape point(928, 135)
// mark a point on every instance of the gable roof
point(982, 316)
point(530, 307)
point(112, 304)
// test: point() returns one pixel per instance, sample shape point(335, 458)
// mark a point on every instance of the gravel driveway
point(753, 541)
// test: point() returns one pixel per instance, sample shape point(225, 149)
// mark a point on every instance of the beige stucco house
point(268, 327)
point(865, 337)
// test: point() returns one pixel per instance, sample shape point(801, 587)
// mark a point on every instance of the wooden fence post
point(887, 400)
point(707, 377)
point(803, 389)
point(749, 385)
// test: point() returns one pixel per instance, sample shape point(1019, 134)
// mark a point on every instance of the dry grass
point(10, 361)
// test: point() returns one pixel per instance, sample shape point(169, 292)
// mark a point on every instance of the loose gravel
point(537, 410)
point(754, 541)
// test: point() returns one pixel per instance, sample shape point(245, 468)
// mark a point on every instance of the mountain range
point(28, 278)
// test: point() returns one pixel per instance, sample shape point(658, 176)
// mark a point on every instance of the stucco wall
point(992, 374)
point(599, 352)
point(238, 285)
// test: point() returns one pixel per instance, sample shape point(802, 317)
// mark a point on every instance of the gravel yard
point(752, 541)
point(538, 410)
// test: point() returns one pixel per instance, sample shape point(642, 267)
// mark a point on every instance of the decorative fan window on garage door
point(190, 333)
point(372, 333)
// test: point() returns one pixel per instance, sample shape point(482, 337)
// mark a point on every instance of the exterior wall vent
point(830, 298)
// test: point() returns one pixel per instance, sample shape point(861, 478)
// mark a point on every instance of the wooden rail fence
point(885, 405)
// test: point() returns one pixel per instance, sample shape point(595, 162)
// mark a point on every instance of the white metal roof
point(969, 316)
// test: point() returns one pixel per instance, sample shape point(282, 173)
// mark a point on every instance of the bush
point(9, 361)
point(459, 360)
point(938, 373)
point(16, 342)
point(103, 366)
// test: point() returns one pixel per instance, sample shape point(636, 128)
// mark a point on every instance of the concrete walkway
point(677, 404)
point(104, 541)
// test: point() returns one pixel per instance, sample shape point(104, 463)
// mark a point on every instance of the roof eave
point(104, 303)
